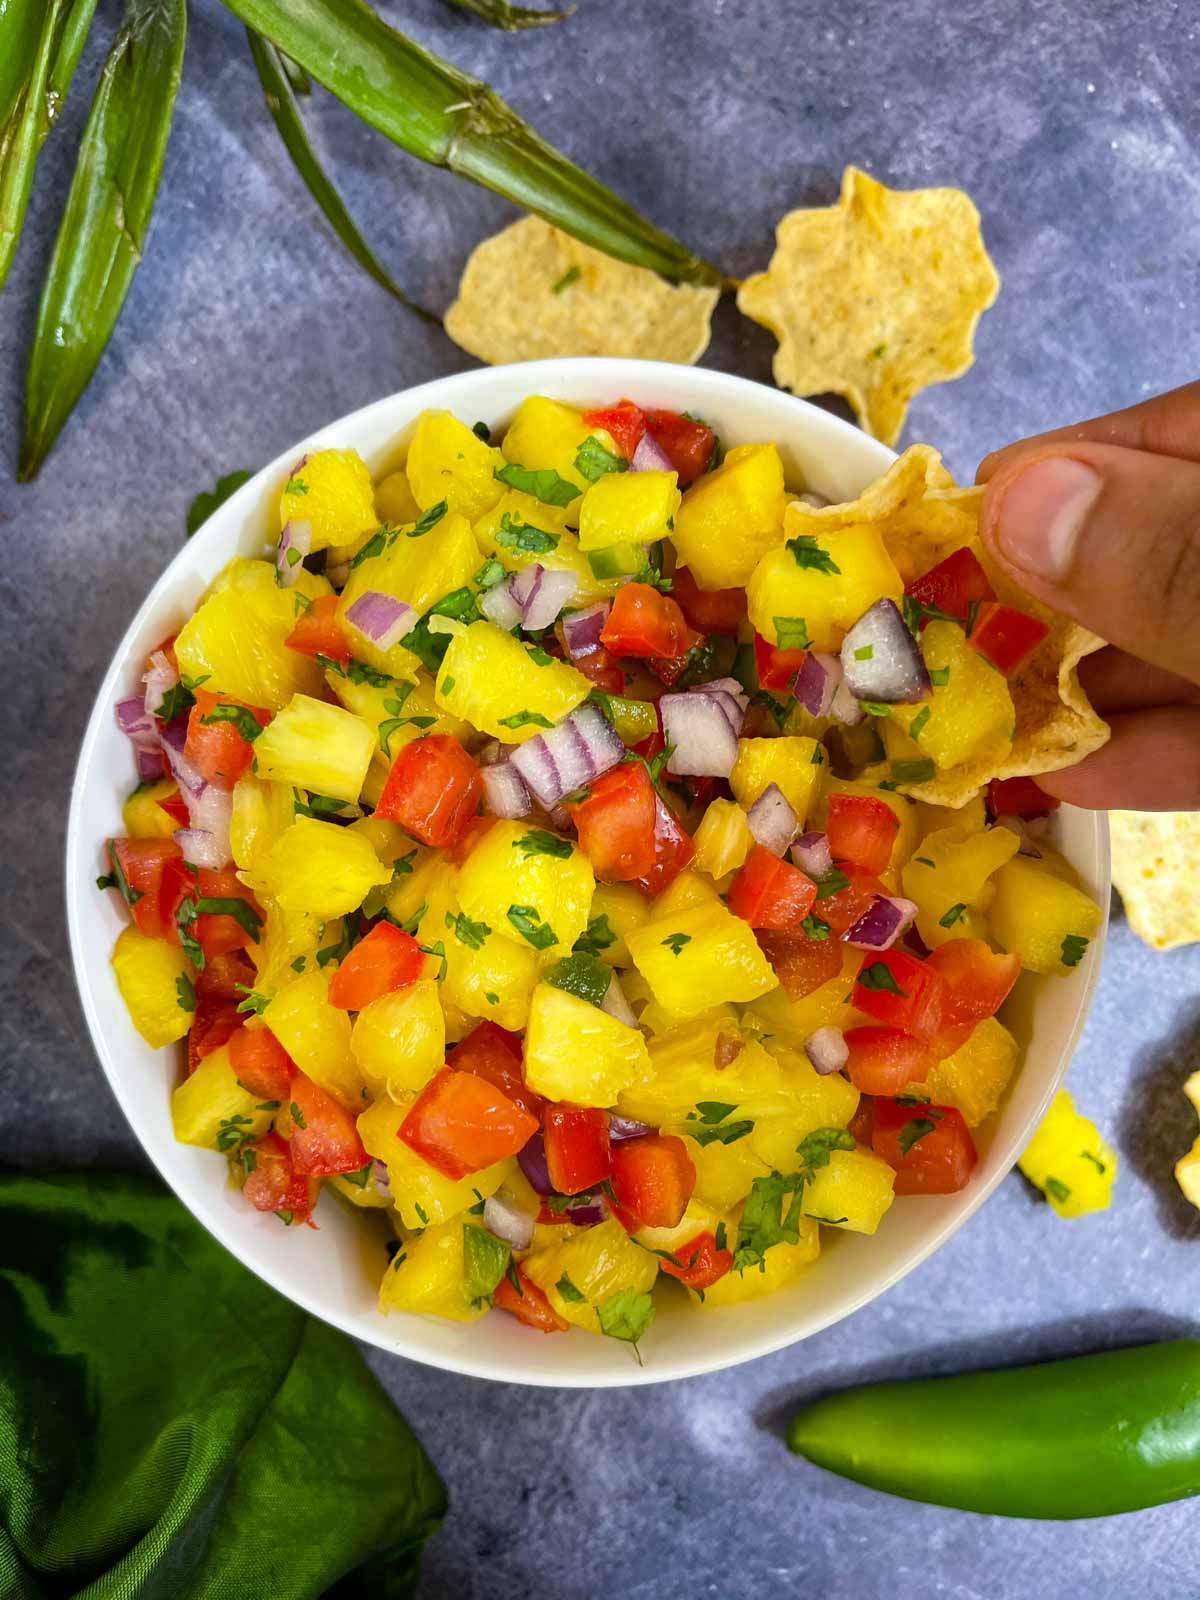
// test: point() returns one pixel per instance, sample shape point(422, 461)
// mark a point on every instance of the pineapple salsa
point(528, 853)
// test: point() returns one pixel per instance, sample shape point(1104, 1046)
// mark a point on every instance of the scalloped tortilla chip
point(922, 518)
point(876, 297)
point(532, 291)
point(1155, 868)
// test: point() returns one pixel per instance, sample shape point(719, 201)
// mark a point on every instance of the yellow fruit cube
point(399, 1040)
point(331, 491)
point(633, 506)
point(547, 434)
point(398, 712)
point(494, 980)
point(142, 815)
point(931, 818)
point(699, 957)
point(732, 516)
point(358, 1189)
point(427, 1275)
point(617, 908)
point(971, 716)
point(977, 1074)
point(723, 840)
point(689, 889)
point(287, 944)
point(852, 1192)
point(790, 1022)
point(155, 980)
point(395, 502)
point(904, 810)
point(211, 1109)
point(683, 1073)
point(528, 885)
point(818, 585)
point(446, 461)
point(817, 1101)
point(503, 687)
point(781, 1264)
point(576, 1052)
point(949, 880)
point(1069, 1162)
point(317, 1036)
point(421, 1194)
point(320, 870)
point(1041, 917)
point(698, 1217)
point(724, 1172)
point(596, 1263)
point(234, 640)
point(1187, 1168)
point(262, 812)
point(316, 746)
point(520, 530)
point(795, 766)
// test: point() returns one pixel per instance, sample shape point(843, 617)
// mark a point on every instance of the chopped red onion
point(501, 606)
point(881, 924)
point(582, 629)
point(580, 747)
point(1024, 830)
point(542, 592)
point(531, 1158)
point(295, 542)
point(504, 791)
point(827, 1050)
point(812, 854)
point(380, 1178)
point(650, 456)
point(729, 686)
point(627, 1128)
point(133, 719)
point(772, 820)
point(505, 1219)
point(381, 619)
point(210, 810)
point(817, 682)
point(201, 848)
point(586, 1215)
point(140, 729)
point(172, 739)
point(881, 659)
point(704, 730)
point(618, 1007)
point(844, 708)
point(158, 678)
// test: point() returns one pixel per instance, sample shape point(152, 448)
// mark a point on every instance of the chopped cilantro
point(1100, 1166)
point(243, 719)
point(490, 574)
point(593, 461)
point(539, 657)
point(720, 1236)
point(481, 431)
point(1073, 947)
point(878, 975)
point(918, 722)
point(915, 1128)
point(382, 539)
point(815, 927)
point(491, 998)
point(438, 949)
point(185, 993)
point(808, 553)
point(232, 1131)
point(834, 881)
point(528, 922)
point(913, 771)
point(472, 934)
point(1057, 1189)
point(955, 914)
point(538, 842)
point(544, 484)
point(569, 1292)
point(179, 698)
point(447, 685)
point(515, 535)
point(710, 1126)
point(675, 942)
point(926, 862)
point(875, 708)
point(597, 936)
point(792, 632)
point(865, 652)
point(940, 676)
point(570, 276)
point(525, 719)
point(485, 1261)
point(116, 879)
point(361, 1176)
point(461, 605)
point(764, 1220)
point(397, 719)
point(253, 1001)
point(191, 907)
point(626, 1315)
point(203, 506)
point(422, 1214)
point(427, 520)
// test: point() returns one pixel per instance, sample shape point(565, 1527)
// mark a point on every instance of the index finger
point(1167, 425)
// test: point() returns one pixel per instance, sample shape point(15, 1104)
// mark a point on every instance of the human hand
point(1102, 522)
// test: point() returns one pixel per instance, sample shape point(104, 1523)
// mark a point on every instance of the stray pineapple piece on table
point(1069, 1162)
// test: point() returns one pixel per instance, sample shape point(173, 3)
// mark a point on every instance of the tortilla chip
point(1156, 868)
point(532, 291)
point(875, 298)
point(922, 518)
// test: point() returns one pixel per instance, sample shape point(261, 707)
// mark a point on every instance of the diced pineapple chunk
point(952, 893)
point(977, 1074)
point(792, 1021)
point(447, 461)
point(576, 1052)
point(634, 506)
point(1041, 917)
point(421, 1194)
point(317, 1036)
point(1069, 1162)
point(852, 1192)
point(399, 712)
point(395, 502)
point(795, 766)
point(155, 980)
point(358, 1189)
point(781, 1264)
point(316, 746)
point(211, 1109)
point(724, 1172)
point(547, 433)
point(142, 815)
point(732, 516)
point(723, 840)
point(689, 889)
point(1187, 1168)
point(617, 908)
point(262, 812)
point(287, 944)
point(495, 980)
point(698, 1217)
point(234, 640)
point(683, 1073)
point(971, 714)
point(931, 818)
point(399, 1040)
point(699, 957)
point(331, 491)
point(520, 530)
point(320, 870)
point(520, 892)
point(904, 810)
point(426, 1274)
point(596, 1263)
point(824, 581)
point(502, 687)
point(817, 1101)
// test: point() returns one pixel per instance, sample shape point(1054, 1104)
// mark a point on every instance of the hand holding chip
point(1102, 521)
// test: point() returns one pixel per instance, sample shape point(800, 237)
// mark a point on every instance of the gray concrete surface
point(1075, 128)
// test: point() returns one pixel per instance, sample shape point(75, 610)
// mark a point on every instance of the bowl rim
point(455, 391)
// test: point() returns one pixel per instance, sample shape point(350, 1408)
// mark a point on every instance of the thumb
point(1109, 535)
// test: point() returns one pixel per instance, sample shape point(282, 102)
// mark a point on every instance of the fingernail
point(1041, 515)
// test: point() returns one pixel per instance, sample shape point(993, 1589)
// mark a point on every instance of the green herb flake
point(1057, 1190)
point(816, 927)
point(491, 998)
point(808, 554)
point(570, 276)
point(915, 1128)
point(361, 1177)
point(472, 934)
point(593, 461)
point(203, 506)
point(539, 657)
point(626, 1315)
point(422, 1214)
point(526, 719)
point(597, 936)
point(675, 942)
point(1100, 1166)
point(926, 862)
point(516, 535)
point(569, 1292)
point(544, 484)
point(253, 1001)
point(185, 993)
point(834, 881)
point(918, 722)
point(791, 632)
point(865, 652)
point(116, 879)
point(233, 1131)
point(438, 951)
point(939, 676)
point(1073, 947)
point(482, 431)
point(490, 574)
point(582, 975)
point(528, 922)
point(913, 771)
point(878, 975)
point(427, 520)
point(875, 708)
point(485, 1261)
point(538, 842)
point(955, 914)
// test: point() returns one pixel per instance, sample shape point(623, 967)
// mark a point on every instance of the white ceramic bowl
point(334, 1273)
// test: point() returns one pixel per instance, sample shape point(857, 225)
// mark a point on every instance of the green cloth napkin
point(172, 1429)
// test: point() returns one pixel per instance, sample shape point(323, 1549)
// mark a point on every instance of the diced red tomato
point(143, 863)
point(844, 907)
point(261, 1064)
point(952, 585)
point(321, 1134)
point(615, 823)
point(1005, 636)
point(578, 1155)
point(598, 667)
point(216, 932)
point(229, 976)
point(673, 851)
point(862, 1122)
point(902, 991)
point(709, 610)
point(1019, 797)
point(979, 980)
point(929, 1147)
point(644, 622)
point(861, 829)
point(688, 444)
point(217, 748)
point(770, 893)
point(460, 1123)
point(698, 1264)
point(669, 669)
point(272, 1184)
point(173, 805)
point(387, 959)
point(625, 422)
point(317, 632)
point(886, 1060)
point(776, 668)
point(494, 1054)
point(528, 1304)
point(432, 789)
point(653, 1178)
point(214, 1024)
point(801, 964)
